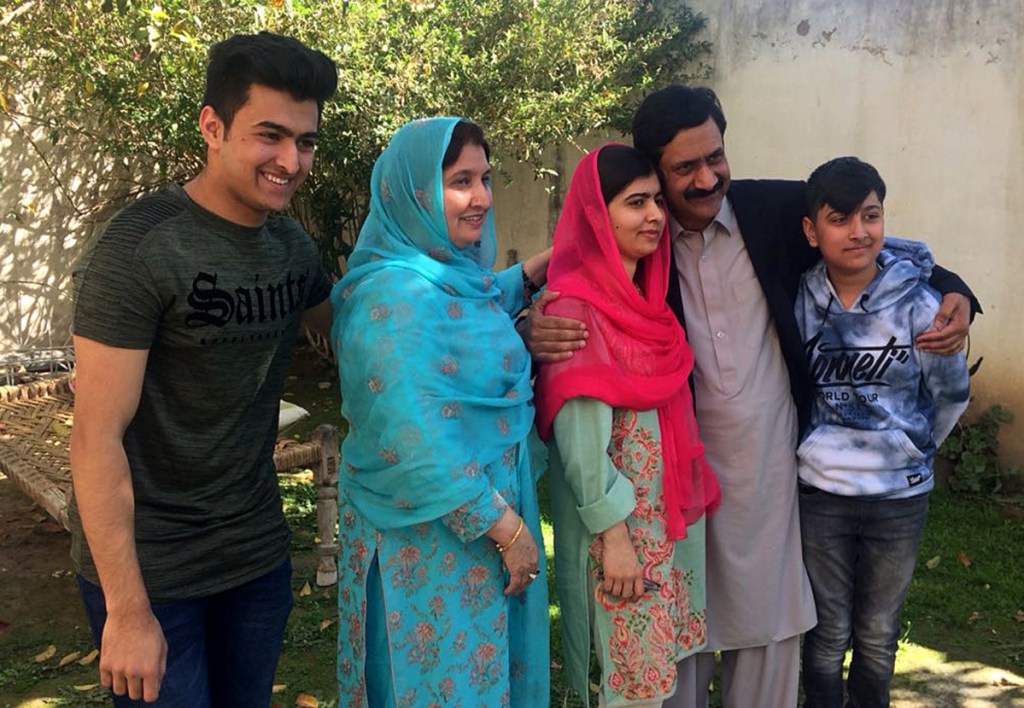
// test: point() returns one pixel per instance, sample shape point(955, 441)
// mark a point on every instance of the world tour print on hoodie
point(881, 406)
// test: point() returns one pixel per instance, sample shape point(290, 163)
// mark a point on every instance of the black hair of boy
point(266, 59)
point(842, 183)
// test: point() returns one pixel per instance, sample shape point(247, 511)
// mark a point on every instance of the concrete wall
point(49, 194)
point(931, 94)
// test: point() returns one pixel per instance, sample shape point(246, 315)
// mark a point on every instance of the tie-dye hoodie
point(881, 406)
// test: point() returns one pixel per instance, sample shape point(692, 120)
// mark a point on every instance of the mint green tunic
point(606, 466)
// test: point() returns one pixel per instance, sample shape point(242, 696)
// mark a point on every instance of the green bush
point(122, 79)
point(972, 447)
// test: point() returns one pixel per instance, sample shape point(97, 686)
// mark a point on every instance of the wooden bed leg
point(325, 478)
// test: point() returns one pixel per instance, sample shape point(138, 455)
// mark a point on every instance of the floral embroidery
point(484, 673)
point(644, 638)
point(422, 198)
point(447, 622)
point(389, 455)
point(375, 384)
point(455, 310)
point(440, 253)
point(451, 410)
point(449, 365)
point(380, 313)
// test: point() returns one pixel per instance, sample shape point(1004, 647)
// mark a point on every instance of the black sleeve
point(946, 281)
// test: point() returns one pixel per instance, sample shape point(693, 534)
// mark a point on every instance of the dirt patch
point(39, 605)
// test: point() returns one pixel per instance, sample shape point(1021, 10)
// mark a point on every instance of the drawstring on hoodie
point(828, 308)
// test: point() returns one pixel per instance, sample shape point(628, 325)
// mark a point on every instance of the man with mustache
point(738, 252)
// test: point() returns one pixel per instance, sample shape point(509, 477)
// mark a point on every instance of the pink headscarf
point(637, 356)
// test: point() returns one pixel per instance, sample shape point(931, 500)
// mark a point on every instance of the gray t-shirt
point(218, 307)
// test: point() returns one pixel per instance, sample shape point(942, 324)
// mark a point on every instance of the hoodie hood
point(902, 264)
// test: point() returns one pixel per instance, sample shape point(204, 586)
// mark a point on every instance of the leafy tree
point(123, 78)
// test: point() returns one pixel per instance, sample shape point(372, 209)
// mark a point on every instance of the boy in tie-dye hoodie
point(881, 409)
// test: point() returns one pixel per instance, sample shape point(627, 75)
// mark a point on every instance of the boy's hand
point(551, 339)
point(949, 330)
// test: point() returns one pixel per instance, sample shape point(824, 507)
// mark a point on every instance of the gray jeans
point(860, 555)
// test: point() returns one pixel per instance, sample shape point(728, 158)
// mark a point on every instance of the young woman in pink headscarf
point(630, 488)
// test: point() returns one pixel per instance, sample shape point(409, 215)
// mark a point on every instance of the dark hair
point(466, 132)
point(266, 59)
point(669, 110)
point(842, 183)
point(617, 166)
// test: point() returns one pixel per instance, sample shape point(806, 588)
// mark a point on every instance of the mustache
point(698, 193)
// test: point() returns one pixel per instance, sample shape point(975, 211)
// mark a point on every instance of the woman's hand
point(520, 554)
point(623, 574)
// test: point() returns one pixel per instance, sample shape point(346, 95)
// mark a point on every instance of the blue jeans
point(860, 555)
point(222, 650)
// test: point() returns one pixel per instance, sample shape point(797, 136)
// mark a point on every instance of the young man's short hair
point(842, 183)
point(267, 59)
point(669, 110)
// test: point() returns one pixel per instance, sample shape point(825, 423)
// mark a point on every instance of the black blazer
point(769, 214)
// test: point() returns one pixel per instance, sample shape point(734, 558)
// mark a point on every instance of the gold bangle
point(515, 537)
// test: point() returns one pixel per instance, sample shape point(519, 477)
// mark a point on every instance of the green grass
point(969, 612)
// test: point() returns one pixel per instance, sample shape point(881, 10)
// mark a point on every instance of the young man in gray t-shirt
point(186, 311)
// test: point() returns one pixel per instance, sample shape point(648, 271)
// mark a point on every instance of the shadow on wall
point(55, 193)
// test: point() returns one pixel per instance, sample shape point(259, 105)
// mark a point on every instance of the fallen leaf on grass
point(306, 590)
point(323, 385)
point(324, 624)
point(85, 686)
point(89, 658)
point(45, 654)
point(38, 518)
point(1018, 617)
point(964, 559)
point(973, 617)
point(933, 563)
point(278, 687)
point(73, 656)
point(304, 700)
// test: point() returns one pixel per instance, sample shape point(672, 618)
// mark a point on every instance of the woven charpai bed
point(35, 427)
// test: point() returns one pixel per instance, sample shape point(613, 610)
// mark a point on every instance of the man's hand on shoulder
point(949, 330)
point(550, 339)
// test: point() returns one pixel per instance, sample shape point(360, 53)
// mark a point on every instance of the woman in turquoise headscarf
point(441, 590)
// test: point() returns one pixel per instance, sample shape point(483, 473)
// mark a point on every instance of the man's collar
point(726, 218)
